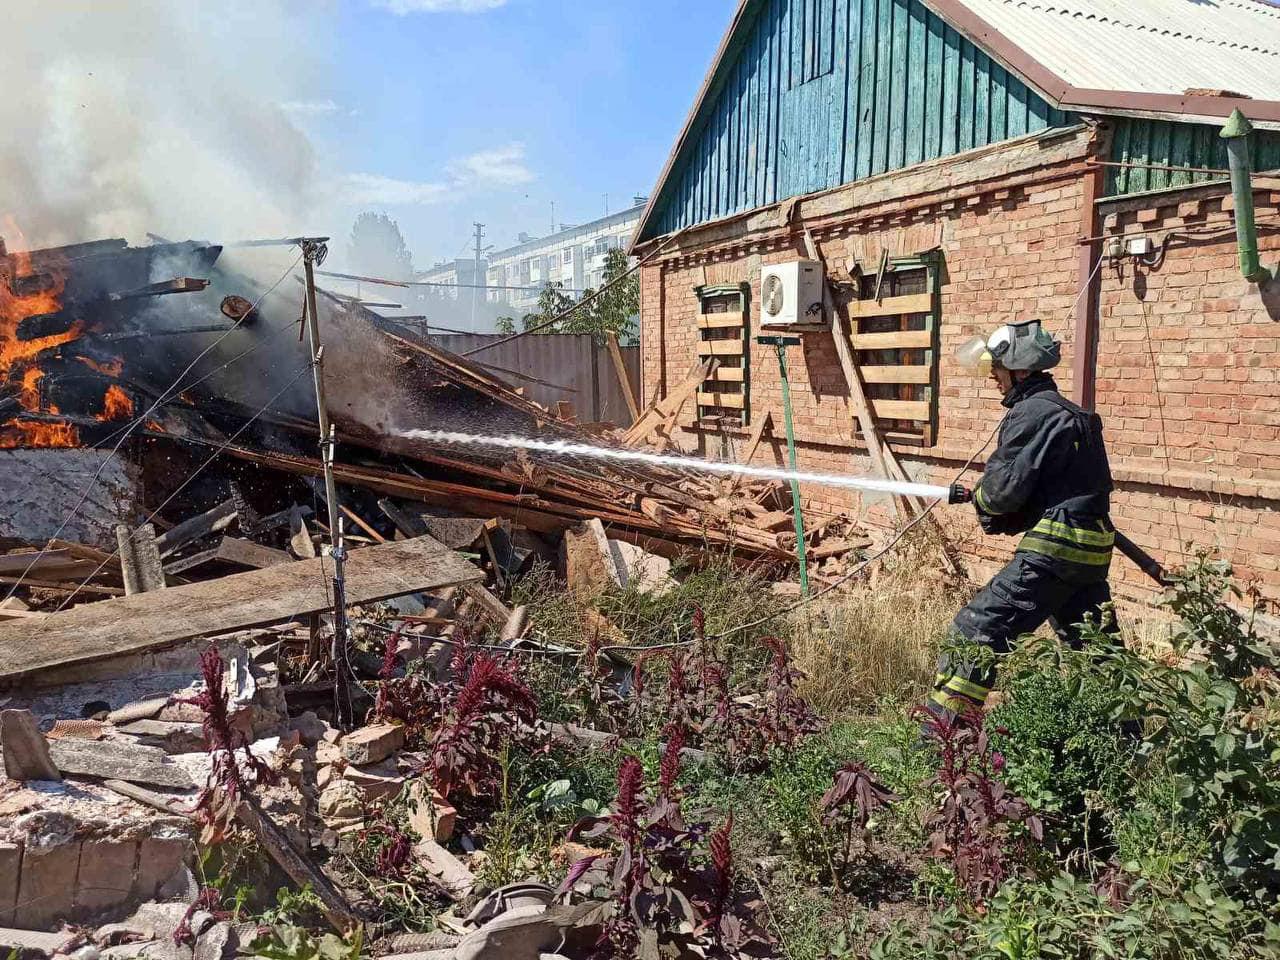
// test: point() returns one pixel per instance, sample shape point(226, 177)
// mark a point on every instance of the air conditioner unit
point(791, 295)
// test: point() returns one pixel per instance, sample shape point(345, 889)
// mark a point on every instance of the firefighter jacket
point(1050, 481)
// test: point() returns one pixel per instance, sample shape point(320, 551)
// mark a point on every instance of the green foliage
point(616, 308)
point(1063, 749)
point(281, 942)
point(552, 302)
point(1211, 712)
point(1067, 918)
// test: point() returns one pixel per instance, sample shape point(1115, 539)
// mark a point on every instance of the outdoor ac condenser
point(791, 295)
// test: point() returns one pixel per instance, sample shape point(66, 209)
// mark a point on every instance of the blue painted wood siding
point(1167, 143)
point(818, 93)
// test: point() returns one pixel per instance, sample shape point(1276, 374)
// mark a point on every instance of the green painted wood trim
point(1174, 144)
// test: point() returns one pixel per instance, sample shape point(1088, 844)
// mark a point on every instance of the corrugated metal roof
point(1147, 46)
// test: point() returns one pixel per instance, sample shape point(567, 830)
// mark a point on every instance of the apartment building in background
point(574, 256)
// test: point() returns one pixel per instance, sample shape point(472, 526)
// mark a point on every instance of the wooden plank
point(76, 587)
point(212, 521)
point(734, 401)
point(246, 553)
point(894, 340)
point(901, 409)
point(148, 621)
point(897, 373)
point(722, 348)
point(670, 405)
point(892, 306)
point(624, 381)
point(719, 321)
point(728, 375)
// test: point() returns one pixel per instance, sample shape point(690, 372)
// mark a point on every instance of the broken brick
point(26, 752)
point(372, 744)
point(106, 874)
point(10, 870)
point(47, 885)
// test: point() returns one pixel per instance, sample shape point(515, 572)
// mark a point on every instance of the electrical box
point(791, 295)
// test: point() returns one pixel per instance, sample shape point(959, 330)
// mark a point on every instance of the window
point(894, 323)
point(568, 255)
point(723, 335)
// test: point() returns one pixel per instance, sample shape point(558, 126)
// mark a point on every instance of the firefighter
point(1049, 481)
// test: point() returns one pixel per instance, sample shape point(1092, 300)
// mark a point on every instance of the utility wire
point(305, 368)
point(124, 433)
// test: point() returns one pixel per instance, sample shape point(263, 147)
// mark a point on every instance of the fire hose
point(958, 493)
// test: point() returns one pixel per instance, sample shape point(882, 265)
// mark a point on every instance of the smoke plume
point(131, 116)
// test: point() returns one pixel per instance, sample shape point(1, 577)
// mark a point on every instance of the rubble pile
point(203, 528)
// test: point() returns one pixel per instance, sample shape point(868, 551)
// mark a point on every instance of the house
point(959, 164)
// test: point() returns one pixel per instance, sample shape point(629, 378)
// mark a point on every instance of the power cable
point(124, 432)
point(305, 368)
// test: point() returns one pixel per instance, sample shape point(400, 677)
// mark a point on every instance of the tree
point(377, 248)
point(552, 302)
point(506, 325)
point(616, 308)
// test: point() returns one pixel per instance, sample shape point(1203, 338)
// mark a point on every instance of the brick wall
point(1186, 376)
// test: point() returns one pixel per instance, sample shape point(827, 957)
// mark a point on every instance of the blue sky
point(441, 112)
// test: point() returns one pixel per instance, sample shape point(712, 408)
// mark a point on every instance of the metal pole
point(791, 459)
point(313, 254)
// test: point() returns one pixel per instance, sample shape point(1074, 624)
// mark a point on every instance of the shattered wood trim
point(148, 621)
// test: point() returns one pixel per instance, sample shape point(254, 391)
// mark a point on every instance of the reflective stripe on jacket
point(1049, 479)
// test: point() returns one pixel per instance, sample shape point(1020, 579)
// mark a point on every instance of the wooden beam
point(727, 375)
point(719, 321)
point(149, 621)
point(733, 401)
point(670, 405)
point(892, 306)
point(722, 348)
point(900, 409)
point(624, 381)
point(211, 521)
point(894, 340)
point(897, 373)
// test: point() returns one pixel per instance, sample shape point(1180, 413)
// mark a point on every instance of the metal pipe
point(1236, 133)
point(313, 253)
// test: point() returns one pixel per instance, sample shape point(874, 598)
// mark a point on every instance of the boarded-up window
point(895, 333)
point(722, 334)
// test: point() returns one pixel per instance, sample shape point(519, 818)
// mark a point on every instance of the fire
point(116, 405)
point(108, 368)
point(26, 292)
point(35, 433)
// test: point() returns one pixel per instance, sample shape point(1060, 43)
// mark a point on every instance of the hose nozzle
point(959, 493)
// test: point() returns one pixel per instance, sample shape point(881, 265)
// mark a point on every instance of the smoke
point(168, 116)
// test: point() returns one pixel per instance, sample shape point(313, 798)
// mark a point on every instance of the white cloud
point(403, 7)
point(377, 190)
point(309, 108)
point(501, 166)
point(486, 169)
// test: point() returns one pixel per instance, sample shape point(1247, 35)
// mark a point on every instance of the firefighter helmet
point(1015, 346)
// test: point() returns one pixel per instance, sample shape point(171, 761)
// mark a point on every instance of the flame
point(18, 357)
point(116, 405)
point(108, 368)
point(36, 433)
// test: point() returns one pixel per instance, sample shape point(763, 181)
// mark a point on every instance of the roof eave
point(739, 17)
point(1066, 97)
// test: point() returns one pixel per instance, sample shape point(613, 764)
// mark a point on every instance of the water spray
point(952, 494)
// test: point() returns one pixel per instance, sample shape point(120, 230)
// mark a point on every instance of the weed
point(979, 826)
point(855, 796)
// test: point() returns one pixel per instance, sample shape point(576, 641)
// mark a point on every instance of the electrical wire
point(305, 368)
point(124, 432)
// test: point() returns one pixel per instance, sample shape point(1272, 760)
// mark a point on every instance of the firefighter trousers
point(1030, 590)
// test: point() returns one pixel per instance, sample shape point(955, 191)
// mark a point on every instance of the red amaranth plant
point(854, 797)
point(492, 706)
point(216, 804)
point(669, 768)
point(979, 826)
point(667, 884)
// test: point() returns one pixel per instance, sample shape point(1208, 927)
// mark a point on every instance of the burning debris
point(215, 528)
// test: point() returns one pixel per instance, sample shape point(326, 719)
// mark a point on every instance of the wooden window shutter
point(723, 330)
